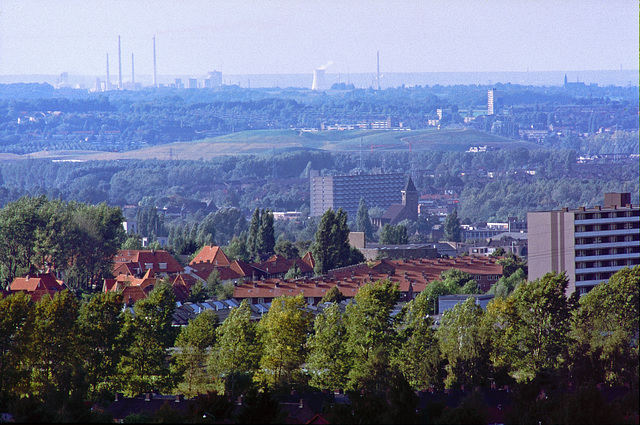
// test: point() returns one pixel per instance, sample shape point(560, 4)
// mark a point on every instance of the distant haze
point(364, 80)
point(294, 37)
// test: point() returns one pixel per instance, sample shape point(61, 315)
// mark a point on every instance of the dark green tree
point(100, 326)
point(286, 249)
point(15, 313)
point(190, 361)
point(236, 351)
point(252, 236)
point(331, 247)
point(333, 295)
point(363, 222)
point(259, 407)
point(54, 355)
point(418, 336)
point(538, 334)
point(394, 235)
point(284, 332)
point(148, 334)
point(237, 249)
point(328, 361)
point(605, 329)
point(452, 229)
point(372, 337)
point(266, 240)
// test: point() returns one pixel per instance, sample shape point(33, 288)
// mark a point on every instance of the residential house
point(38, 285)
point(148, 404)
point(133, 288)
point(138, 262)
point(412, 276)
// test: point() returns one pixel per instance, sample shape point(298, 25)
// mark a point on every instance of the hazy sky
point(296, 36)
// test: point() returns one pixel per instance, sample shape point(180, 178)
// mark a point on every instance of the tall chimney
point(155, 76)
point(378, 79)
point(119, 66)
point(106, 83)
point(133, 78)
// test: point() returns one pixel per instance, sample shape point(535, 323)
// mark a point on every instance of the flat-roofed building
point(378, 190)
point(589, 244)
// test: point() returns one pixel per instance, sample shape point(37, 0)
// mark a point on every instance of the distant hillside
point(265, 141)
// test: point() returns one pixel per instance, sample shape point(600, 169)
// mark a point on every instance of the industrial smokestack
point(133, 78)
point(378, 73)
point(155, 76)
point(318, 79)
point(119, 66)
point(106, 83)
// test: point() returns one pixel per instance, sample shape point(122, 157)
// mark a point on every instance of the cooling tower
point(318, 80)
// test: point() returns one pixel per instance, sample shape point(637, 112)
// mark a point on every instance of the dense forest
point(58, 354)
point(248, 181)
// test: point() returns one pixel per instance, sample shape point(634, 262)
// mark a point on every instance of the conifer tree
point(363, 222)
point(266, 240)
point(252, 237)
point(452, 229)
point(331, 248)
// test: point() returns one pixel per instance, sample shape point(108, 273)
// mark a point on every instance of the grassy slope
point(264, 141)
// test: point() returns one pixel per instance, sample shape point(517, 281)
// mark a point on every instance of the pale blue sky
point(287, 36)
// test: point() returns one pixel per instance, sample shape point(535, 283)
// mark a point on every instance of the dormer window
point(162, 266)
point(148, 266)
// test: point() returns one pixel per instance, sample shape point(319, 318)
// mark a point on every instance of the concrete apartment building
point(378, 190)
point(589, 244)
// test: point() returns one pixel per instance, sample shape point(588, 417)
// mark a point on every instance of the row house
point(412, 276)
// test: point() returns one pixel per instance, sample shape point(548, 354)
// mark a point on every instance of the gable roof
point(392, 212)
point(38, 285)
point(277, 264)
point(412, 276)
point(211, 254)
point(140, 259)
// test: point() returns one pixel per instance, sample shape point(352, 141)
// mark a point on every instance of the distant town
point(202, 252)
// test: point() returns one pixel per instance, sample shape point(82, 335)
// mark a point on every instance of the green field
point(266, 141)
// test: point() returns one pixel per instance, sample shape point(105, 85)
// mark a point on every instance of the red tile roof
point(211, 254)
point(161, 261)
point(38, 285)
point(279, 265)
point(412, 277)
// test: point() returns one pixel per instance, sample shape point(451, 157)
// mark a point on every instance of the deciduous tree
point(100, 325)
point(190, 359)
point(464, 344)
point(328, 361)
point(372, 337)
point(284, 332)
point(236, 352)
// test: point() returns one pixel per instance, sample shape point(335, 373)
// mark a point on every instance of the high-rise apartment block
point(378, 190)
point(589, 244)
point(494, 101)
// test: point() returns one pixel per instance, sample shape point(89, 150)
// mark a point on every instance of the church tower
point(410, 199)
